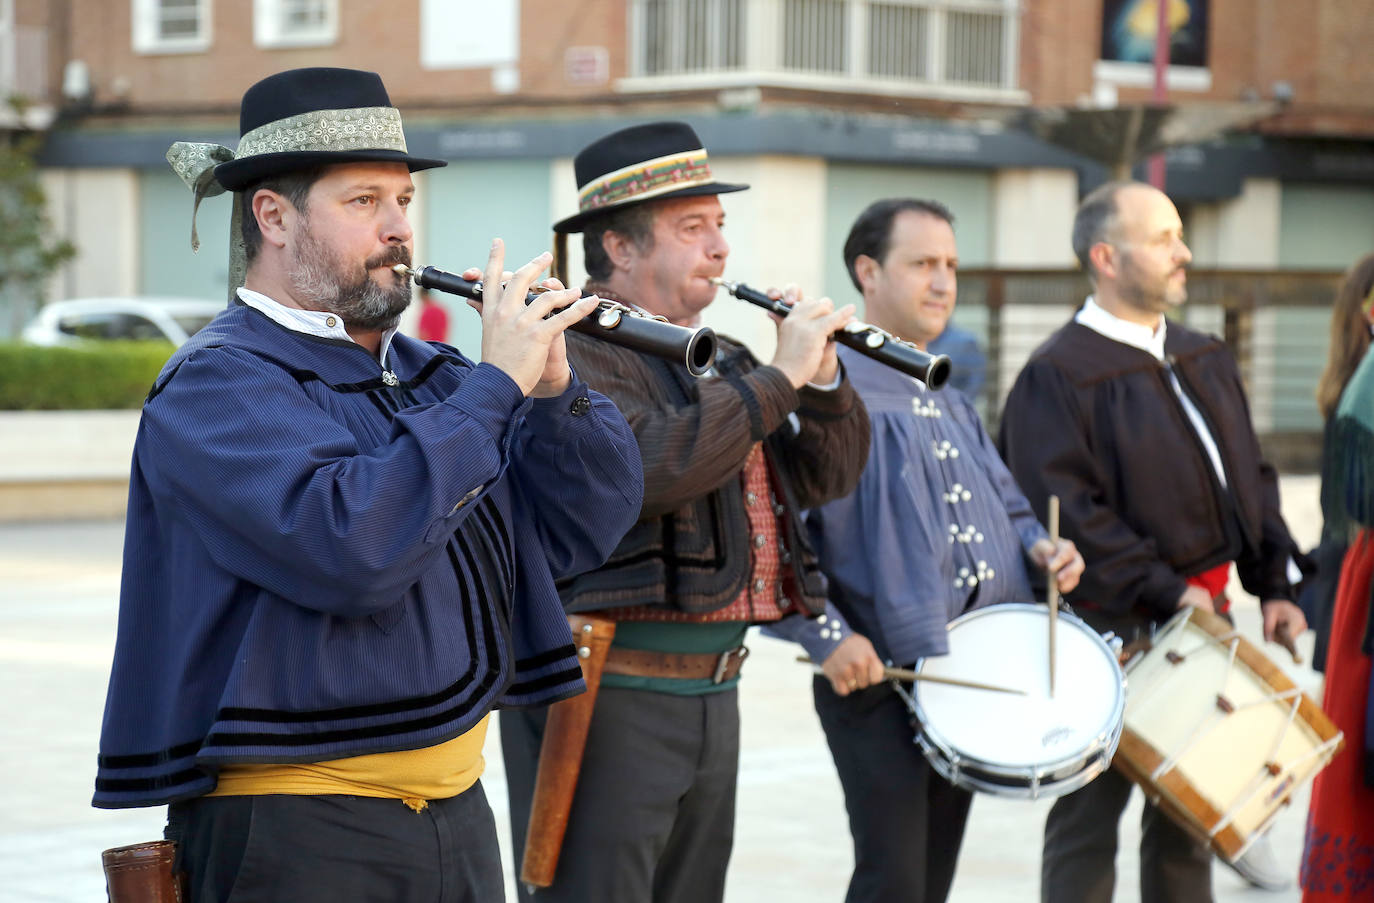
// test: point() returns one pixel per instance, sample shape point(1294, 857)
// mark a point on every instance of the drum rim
point(979, 780)
point(1104, 741)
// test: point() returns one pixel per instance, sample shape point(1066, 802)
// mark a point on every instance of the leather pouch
point(142, 873)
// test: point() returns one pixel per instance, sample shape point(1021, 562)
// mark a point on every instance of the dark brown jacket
point(690, 549)
point(1098, 423)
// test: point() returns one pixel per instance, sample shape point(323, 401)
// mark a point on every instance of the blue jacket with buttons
point(324, 560)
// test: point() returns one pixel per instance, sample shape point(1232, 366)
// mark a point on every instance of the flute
point(868, 340)
point(609, 320)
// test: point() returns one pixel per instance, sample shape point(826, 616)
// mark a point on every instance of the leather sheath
point(142, 873)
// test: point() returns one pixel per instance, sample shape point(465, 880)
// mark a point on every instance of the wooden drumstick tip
point(1052, 595)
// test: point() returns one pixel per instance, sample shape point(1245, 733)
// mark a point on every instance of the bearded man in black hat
point(342, 542)
point(730, 462)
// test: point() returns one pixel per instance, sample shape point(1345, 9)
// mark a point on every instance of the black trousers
point(654, 814)
point(1079, 863)
point(907, 822)
point(331, 849)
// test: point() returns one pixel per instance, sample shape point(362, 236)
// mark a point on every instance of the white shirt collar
point(1099, 320)
point(320, 323)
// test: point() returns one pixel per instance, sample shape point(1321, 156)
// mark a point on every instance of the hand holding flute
point(868, 340)
point(804, 352)
point(516, 336)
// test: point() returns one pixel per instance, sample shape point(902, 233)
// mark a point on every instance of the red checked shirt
point(771, 592)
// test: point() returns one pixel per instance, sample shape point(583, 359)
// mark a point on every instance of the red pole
point(1161, 91)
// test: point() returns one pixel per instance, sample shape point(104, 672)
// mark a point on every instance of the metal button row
point(957, 493)
point(944, 449)
point(968, 534)
point(924, 409)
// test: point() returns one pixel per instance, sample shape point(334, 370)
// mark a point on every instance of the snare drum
point(1216, 734)
point(1009, 745)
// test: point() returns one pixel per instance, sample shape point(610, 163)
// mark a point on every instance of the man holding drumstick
point(936, 528)
point(1141, 427)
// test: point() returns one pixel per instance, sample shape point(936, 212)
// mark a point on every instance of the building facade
point(821, 105)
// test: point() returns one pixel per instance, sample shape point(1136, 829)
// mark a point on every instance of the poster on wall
point(1128, 31)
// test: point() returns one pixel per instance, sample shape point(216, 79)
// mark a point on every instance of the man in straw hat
point(730, 462)
point(342, 542)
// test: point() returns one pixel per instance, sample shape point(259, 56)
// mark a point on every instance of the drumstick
point(909, 675)
point(1285, 639)
point(1053, 595)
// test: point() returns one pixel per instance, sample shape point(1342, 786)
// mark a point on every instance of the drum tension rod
point(1173, 657)
point(1225, 704)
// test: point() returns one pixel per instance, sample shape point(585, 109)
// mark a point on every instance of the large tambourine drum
point(1021, 746)
point(1216, 734)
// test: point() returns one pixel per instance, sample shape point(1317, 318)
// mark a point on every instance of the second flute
point(610, 321)
point(868, 340)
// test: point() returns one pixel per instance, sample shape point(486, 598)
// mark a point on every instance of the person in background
point(1112, 414)
point(1349, 342)
point(968, 363)
point(1338, 857)
point(936, 528)
point(433, 319)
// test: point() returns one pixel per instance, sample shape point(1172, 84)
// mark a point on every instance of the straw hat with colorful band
point(642, 163)
point(291, 121)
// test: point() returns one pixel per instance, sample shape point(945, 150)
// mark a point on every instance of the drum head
point(1008, 645)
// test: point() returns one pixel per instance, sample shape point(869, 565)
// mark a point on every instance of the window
point(814, 36)
point(295, 23)
point(955, 47)
point(171, 26)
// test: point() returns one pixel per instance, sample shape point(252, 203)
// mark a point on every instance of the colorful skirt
point(1338, 860)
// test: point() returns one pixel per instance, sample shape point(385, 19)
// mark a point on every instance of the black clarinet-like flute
point(613, 322)
point(868, 340)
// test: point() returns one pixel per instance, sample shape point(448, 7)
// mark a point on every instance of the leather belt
point(718, 668)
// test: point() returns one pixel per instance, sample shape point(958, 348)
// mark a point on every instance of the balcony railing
point(962, 47)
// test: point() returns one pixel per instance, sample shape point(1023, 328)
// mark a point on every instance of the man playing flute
point(731, 461)
point(342, 542)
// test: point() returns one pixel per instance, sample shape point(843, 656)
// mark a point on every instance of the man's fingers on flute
point(518, 285)
point(491, 278)
point(574, 312)
point(546, 303)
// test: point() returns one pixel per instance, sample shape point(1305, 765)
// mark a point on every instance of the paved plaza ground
point(57, 617)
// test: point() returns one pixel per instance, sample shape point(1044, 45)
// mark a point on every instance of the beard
point(319, 278)
point(1144, 291)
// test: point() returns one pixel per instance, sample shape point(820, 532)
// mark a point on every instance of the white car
point(73, 322)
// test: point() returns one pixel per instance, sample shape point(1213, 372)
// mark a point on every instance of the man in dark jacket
point(1142, 429)
point(732, 459)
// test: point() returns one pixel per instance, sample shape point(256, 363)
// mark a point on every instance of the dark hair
point(1349, 334)
point(1096, 217)
point(635, 222)
point(294, 186)
point(871, 234)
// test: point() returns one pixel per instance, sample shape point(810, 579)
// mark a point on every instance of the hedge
point(96, 376)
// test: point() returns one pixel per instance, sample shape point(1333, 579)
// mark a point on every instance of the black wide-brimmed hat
point(641, 163)
point(310, 117)
point(294, 120)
